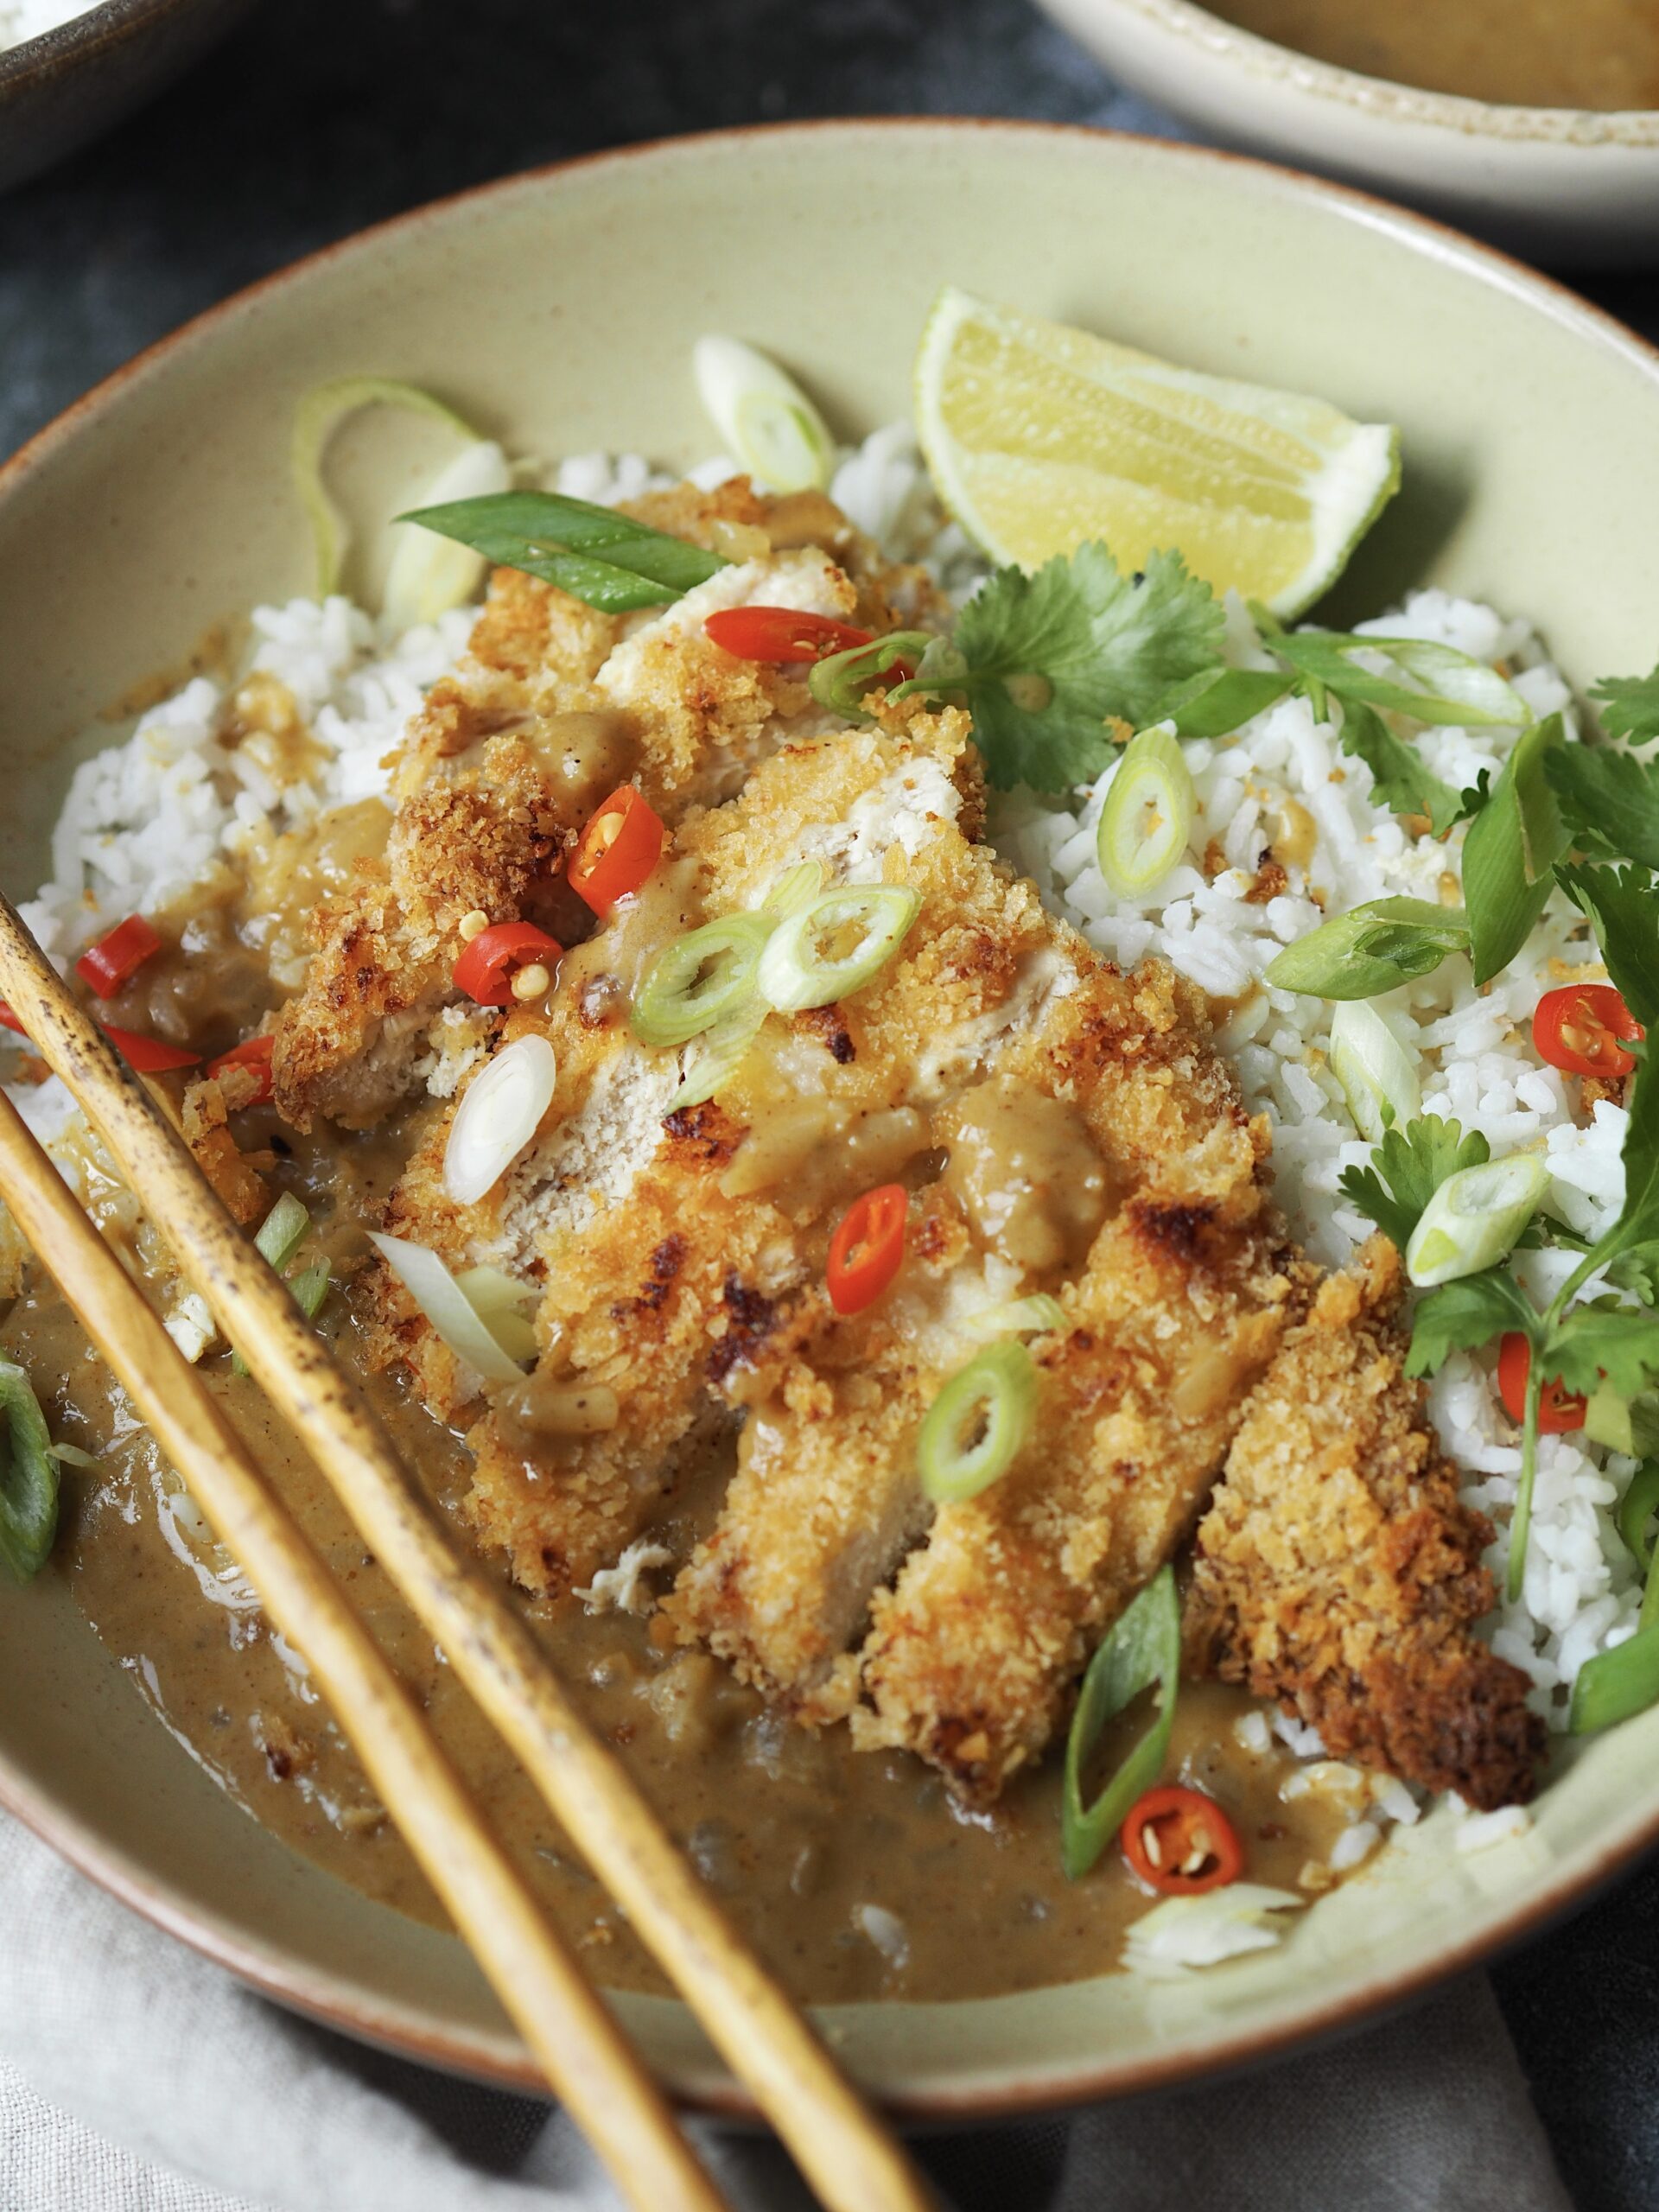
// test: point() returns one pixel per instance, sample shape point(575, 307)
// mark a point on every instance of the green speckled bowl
point(559, 311)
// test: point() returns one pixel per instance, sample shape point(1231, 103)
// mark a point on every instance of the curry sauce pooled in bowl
point(1014, 1194)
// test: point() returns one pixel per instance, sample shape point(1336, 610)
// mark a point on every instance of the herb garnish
point(1629, 706)
point(602, 557)
point(1407, 1169)
point(1609, 799)
point(1512, 849)
point(1371, 949)
point(28, 1477)
point(1046, 661)
point(1621, 905)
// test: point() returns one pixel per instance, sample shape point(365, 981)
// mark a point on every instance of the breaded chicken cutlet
point(699, 1273)
point(1058, 1126)
point(1337, 1571)
point(553, 708)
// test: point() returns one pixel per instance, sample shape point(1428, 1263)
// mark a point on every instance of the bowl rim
point(494, 2057)
point(106, 24)
point(1384, 98)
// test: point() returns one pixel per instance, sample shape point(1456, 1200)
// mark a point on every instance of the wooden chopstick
point(853, 2161)
point(588, 2059)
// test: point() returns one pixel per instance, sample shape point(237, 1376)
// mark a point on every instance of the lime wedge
point(1038, 436)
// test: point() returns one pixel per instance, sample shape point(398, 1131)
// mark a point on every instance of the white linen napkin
point(136, 2077)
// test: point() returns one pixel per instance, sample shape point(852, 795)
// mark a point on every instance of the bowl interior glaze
point(558, 310)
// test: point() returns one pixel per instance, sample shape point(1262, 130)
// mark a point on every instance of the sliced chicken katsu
point(1105, 1097)
point(554, 706)
point(668, 1243)
point(1338, 1572)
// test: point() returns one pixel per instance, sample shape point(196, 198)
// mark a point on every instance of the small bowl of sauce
point(1530, 122)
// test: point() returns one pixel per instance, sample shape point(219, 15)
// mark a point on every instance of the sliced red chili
point(1558, 1411)
point(487, 967)
point(116, 957)
point(1581, 1030)
point(780, 633)
point(9, 1020)
point(617, 851)
point(253, 1053)
point(1181, 1842)
point(867, 1248)
point(149, 1055)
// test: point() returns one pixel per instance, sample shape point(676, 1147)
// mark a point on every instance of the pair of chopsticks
point(852, 2161)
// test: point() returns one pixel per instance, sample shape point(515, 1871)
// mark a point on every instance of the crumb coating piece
point(1337, 1571)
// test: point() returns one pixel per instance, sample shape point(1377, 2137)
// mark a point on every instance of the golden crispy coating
point(553, 708)
point(971, 1654)
point(203, 1119)
point(826, 1501)
point(664, 1260)
point(1338, 1572)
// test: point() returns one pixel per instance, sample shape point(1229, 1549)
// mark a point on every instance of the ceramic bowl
point(1567, 186)
point(61, 90)
point(560, 309)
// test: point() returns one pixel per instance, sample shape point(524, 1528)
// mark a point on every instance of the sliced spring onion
point(599, 556)
point(71, 1455)
point(316, 418)
point(445, 1306)
point(836, 681)
point(1626, 1424)
point(310, 1287)
point(490, 1291)
point(1148, 815)
point(28, 1477)
point(1376, 1069)
point(429, 574)
point(1143, 1647)
point(794, 891)
point(516, 1334)
point(701, 978)
point(1474, 1218)
point(1443, 685)
point(283, 1231)
point(763, 415)
point(712, 1060)
point(1636, 1508)
point(796, 970)
point(977, 1423)
point(1033, 1316)
point(1617, 1683)
point(497, 1117)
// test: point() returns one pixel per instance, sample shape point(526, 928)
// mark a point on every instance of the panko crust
point(488, 798)
point(1337, 1571)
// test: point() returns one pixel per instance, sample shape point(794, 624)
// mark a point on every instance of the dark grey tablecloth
point(323, 115)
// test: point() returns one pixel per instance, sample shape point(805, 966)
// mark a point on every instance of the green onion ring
point(794, 975)
point(700, 979)
point(1143, 1647)
point(1147, 814)
point(1474, 1217)
point(283, 1231)
point(28, 1477)
point(995, 1395)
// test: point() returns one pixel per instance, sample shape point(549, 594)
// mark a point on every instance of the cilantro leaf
point(1511, 853)
point(1629, 706)
point(1462, 1315)
point(1638, 1224)
point(1102, 645)
point(1407, 1169)
point(1637, 1271)
point(1592, 1341)
point(1403, 782)
point(1608, 798)
point(1622, 904)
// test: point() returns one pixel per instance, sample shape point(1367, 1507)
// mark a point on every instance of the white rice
point(146, 822)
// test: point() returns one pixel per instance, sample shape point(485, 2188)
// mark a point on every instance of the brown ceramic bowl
point(559, 309)
point(61, 90)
